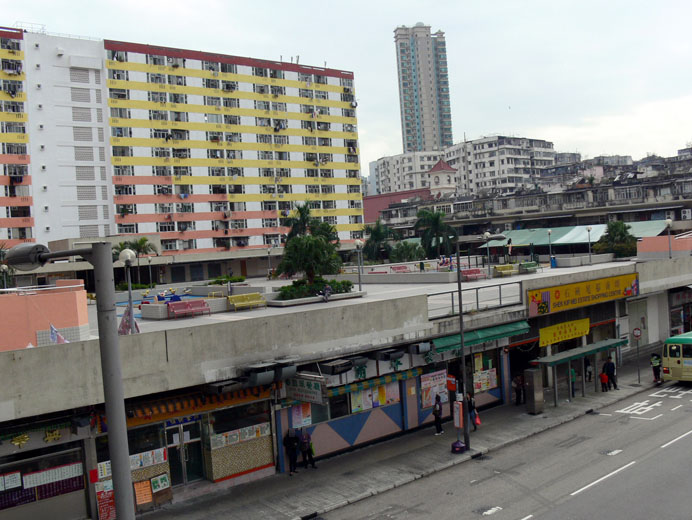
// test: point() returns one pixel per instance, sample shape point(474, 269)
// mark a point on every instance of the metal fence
point(443, 304)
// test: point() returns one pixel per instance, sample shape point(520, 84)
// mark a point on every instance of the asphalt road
point(630, 461)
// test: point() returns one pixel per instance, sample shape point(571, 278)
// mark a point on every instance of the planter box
point(273, 302)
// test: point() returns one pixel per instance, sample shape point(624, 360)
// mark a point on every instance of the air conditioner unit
point(354, 104)
point(686, 214)
point(670, 214)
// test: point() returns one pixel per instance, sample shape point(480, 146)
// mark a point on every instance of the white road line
point(676, 439)
point(606, 414)
point(647, 418)
point(603, 478)
point(527, 517)
point(678, 406)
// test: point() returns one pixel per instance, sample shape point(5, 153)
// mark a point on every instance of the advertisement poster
point(301, 415)
point(392, 390)
point(160, 483)
point(143, 493)
point(478, 362)
point(105, 500)
point(431, 385)
point(357, 402)
point(485, 380)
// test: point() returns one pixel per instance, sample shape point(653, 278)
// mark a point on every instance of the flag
point(55, 336)
point(124, 327)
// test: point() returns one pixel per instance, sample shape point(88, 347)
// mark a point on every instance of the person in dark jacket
point(609, 370)
point(472, 410)
point(291, 443)
point(437, 414)
point(306, 449)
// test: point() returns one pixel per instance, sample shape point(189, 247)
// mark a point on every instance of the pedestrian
point(291, 442)
point(437, 414)
point(573, 380)
point(656, 367)
point(306, 449)
point(609, 369)
point(589, 369)
point(473, 413)
point(518, 386)
point(604, 382)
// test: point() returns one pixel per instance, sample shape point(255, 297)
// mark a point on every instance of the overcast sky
point(592, 76)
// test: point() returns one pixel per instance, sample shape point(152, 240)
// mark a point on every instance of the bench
point(400, 269)
point(188, 308)
point(504, 270)
point(529, 267)
point(241, 301)
point(473, 274)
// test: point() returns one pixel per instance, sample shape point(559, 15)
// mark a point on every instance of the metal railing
point(474, 299)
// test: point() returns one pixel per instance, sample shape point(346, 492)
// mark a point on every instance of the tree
point(141, 247)
point(436, 232)
point(617, 240)
point(309, 254)
point(326, 230)
point(7, 272)
point(406, 252)
point(377, 246)
point(300, 223)
point(119, 248)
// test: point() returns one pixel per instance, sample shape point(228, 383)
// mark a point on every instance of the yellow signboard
point(575, 295)
point(563, 331)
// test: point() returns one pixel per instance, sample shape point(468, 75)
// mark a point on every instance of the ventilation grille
point(88, 231)
point(79, 75)
point(86, 193)
point(102, 154)
point(83, 153)
point(81, 95)
point(81, 114)
point(104, 193)
point(99, 115)
point(98, 96)
point(100, 134)
point(87, 212)
point(82, 133)
point(97, 77)
point(103, 173)
point(106, 212)
point(85, 173)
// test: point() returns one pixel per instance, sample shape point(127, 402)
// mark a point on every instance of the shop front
point(680, 305)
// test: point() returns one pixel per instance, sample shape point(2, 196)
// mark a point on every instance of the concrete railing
point(475, 299)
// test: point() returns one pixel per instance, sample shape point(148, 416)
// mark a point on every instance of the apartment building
point(406, 171)
point(426, 117)
point(211, 152)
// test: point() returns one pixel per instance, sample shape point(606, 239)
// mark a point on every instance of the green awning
point(580, 352)
point(476, 337)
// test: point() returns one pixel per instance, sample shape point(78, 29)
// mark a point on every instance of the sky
point(591, 76)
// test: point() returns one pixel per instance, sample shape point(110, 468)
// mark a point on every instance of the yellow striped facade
point(19, 96)
point(233, 163)
point(14, 117)
point(11, 137)
point(196, 180)
point(11, 55)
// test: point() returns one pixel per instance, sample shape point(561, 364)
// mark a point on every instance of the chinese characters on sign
point(563, 331)
point(575, 295)
point(312, 390)
point(431, 385)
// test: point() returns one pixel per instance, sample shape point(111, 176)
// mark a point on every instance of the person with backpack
point(291, 443)
point(306, 449)
point(437, 414)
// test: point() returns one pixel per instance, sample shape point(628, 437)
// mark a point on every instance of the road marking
point(676, 439)
point(614, 452)
point(492, 511)
point(527, 517)
point(678, 406)
point(604, 477)
point(648, 418)
point(604, 415)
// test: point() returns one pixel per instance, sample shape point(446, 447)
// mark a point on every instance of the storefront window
point(431, 385)
point(374, 397)
point(485, 371)
point(240, 417)
point(306, 414)
point(338, 406)
point(139, 440)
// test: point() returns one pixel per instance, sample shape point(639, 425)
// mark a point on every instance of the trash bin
point(422, 266)
point(553, 262)
point(533, 380)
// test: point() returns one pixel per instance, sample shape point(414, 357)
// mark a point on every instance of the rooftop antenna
point(297, 59)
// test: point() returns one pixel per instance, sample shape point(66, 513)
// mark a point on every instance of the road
point(629, 461)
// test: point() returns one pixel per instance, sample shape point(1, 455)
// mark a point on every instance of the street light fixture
point(150, 279)
point(26, 257)
point(127, 257)
point(550, 247)
point(669, 223)
point(588, 230)
point(359, 249)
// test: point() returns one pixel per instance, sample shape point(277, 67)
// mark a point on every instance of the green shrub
point(223, 280)
point(302, 289)
point(122, 286)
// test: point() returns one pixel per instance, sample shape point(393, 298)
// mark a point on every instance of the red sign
point(451, 383)
point(637, 333)
point(106, 505)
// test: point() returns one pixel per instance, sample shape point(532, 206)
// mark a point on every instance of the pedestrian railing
point(484, 297)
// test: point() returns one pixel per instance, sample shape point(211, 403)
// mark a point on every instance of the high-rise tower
point(426, 119)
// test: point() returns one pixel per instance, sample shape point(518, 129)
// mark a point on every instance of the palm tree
point(618, 240)
point(301, 222)
point(406, 252)
point(119, 248)
point(141, 247)
point(377, 245)
point(435, 231)
point(312, 255)
point(326, 230)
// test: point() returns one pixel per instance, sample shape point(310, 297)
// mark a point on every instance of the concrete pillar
point(549, 373)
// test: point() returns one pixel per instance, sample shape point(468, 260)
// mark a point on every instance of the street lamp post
point(669, 222)
point(550, 247)
point(269, 259)
point(486, 235)
point(127, 256)
point(588, 230)
point(26, 257)
point(359, 250)
point(465, 416)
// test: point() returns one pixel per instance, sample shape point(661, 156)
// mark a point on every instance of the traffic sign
point(637, 332)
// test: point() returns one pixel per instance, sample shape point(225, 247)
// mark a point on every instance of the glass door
point(185, 453)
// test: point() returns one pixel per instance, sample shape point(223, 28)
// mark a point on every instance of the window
point(269, 223)
point(262, 105)
point(339, 406)
point(241, 417)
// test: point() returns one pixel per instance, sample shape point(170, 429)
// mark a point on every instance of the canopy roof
point(574, 234)
point(475, 337)
point(580, 352)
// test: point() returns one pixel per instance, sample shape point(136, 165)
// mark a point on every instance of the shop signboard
point(431, 385)
point(574, 295)
point(105, 500)
point(307, 388)
point(563, 331)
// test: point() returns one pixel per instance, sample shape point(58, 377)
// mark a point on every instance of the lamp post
point(669, 223)
point(150, 280)
point(486, 235)
point(588, 230)
point(127, 256)
point(550, 247)
point(359, 250)
point(269, 259)
point(465, 416)
point(26, 257)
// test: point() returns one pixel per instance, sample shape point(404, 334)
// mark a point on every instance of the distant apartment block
point(403, 172)
point(426, 118)
point(211, 152)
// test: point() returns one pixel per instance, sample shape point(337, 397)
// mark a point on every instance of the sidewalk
point(351, 477)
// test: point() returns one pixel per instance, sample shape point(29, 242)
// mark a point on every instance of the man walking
point(437, 414)
point(609, 370)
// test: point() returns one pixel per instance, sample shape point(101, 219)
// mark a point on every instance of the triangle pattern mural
point(349, 427)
